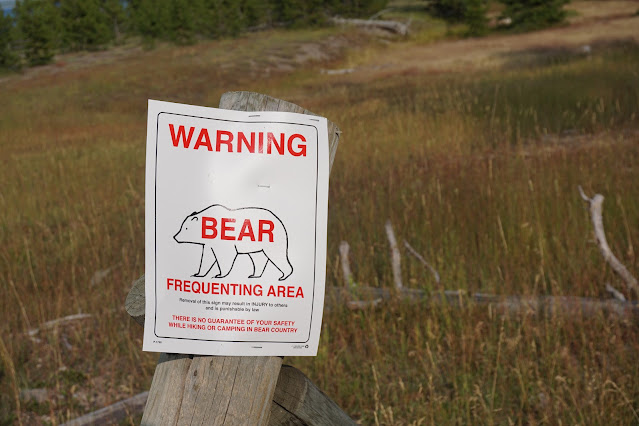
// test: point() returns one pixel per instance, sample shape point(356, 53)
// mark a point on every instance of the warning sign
point(236, 210)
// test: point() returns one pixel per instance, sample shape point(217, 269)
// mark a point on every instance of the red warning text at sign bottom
point(232, 324)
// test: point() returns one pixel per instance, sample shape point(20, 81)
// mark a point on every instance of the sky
point(7, 4)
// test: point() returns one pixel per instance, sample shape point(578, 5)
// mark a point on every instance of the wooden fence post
point(221, 390)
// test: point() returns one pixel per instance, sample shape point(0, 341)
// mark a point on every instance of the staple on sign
point(256, 115)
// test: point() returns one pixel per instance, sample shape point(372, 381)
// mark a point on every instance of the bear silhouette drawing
point(226, 233)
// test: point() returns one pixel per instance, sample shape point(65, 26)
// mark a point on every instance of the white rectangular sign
point(236, 211)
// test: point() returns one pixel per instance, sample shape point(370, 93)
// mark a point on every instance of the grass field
point(476, 164)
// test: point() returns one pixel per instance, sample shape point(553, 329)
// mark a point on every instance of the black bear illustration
point(225, 233)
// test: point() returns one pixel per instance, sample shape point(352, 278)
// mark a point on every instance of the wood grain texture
point(229, 390)
point(167, 390)
point(216, 390)
point(298, 401)
point(280, 417)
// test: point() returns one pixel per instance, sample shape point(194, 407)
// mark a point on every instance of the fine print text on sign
point(236, 211)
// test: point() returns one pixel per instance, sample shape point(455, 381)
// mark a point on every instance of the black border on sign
point(157, 132)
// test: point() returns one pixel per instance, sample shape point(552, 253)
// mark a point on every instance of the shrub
point(450, 10)
point(470, 12)
point(38, 28)
point(534, 14)
point(8, 57)
point(475, 17)
point(86, 24)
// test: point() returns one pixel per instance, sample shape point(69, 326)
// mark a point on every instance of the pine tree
point(356, 8)
point(151, 18)
point(231, 20)
point(8, 56)
point(450, 10)
point(256, 13)
point(475, 17)
point(300, 13)
point(183, 20)
point(86, 24)
point(38, 28)
point(116, 16)
point(534, 14)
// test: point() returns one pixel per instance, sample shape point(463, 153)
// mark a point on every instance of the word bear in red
point(225, 233)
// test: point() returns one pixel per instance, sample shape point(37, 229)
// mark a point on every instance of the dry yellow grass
point(477, 168)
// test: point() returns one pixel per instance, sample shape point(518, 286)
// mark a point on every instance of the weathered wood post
point(227, 390)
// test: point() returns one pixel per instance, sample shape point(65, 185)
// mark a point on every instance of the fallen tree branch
point(358, 305)
point(421, 259)
point(391, 26)
point(568, 306)
point(57, 322)
point(338, 71)
point(113, 414)
point(616, 294)
point(344, 248)
point(395, 255)
point(595, 203)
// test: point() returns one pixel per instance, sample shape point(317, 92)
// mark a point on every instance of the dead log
point(113, 414)
point(390, 26)
point(568, 306)
point(358, 305)
point(338, 71)
point(57, 323)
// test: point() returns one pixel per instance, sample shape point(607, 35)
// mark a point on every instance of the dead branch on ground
point(113, 414)
point(344, 248)
point(567, 306)
point(395, 255)
point(57, 322)
point(421, 259)
point(616, 294)
point(390, 26)
point(595, 205)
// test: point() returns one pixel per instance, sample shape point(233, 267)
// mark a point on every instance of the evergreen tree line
point(521, 15)
point(38, 29)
